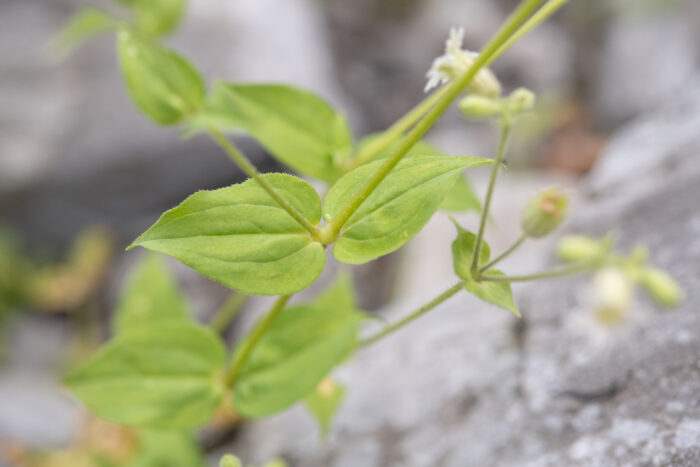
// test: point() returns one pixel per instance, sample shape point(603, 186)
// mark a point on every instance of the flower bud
point(544, 213)
point(521, 100)
point(660, 286)
point(479, 107)
point(229, 461)
point(575, 248)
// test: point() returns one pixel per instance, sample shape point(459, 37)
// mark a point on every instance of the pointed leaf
point(240, 237)
point(168, 378)
point(151, 298)
point(463, 252)
point(498, 293)
point(297, 127)
point(157, 17)
point(163, 85)
point(398, 209)
point(461, 198)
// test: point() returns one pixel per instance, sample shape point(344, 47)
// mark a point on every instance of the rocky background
point(618, 126)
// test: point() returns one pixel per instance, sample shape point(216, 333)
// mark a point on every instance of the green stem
point(505, 132)
point(386, 138)
point(503, 255)
point(558, 272)
point(253, 173)
point(516, 19)
point(416, 314)
point(250, 342)
point(228, 311)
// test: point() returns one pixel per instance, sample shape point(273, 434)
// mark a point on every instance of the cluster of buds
point(478, 107)
point(617, 277)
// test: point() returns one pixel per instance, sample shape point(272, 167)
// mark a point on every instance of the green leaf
point(498, 293)
point(461, 197)
point(87, 23)
point(151, 298)
point(167, 449)
point(166, 87)
point(157, 17)
point(341, 294)
point(240, 237)
point(169, 378)
point(398, 209)
point(304, 343)
point(463, 252)
point(297, 127)
point(324, 401)
point(229, 460)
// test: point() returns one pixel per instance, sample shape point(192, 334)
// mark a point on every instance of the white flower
point(455, 62)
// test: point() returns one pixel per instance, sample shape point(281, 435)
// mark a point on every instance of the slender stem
point(249, 343)
point(558, 272)
point(387, 137)
point(503, 255)
point(542, 14)
point(228, 311)
point(416, 314)
point(505, 132)
point(516, 19)
point(250, 170)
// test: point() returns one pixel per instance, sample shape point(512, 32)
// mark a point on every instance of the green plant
point(271, 234)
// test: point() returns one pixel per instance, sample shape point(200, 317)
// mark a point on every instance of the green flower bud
point(479, 107)
point(613, 293)
point(229, 461)
point(661, 286)
point(576, 248)
point(521, 100)
point(544, 213)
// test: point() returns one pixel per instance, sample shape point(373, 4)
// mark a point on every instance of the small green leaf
point(398, 209)
point(150, 299)
point(167, 449)
point(169, 378)
point(463, 252)
point(341, 294)
point(87, 23)
point(157, 17)
point(304, 343)
point(461, 198)
point(229, 460)
point(324, 401)
point(240, 237)
point(498, 293)
point(298, 128)
point(166, 87)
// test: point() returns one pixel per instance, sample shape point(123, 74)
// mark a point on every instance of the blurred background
point(617, 125)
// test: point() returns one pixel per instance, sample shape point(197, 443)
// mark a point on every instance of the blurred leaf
point(169, 378)
point(303, 344)
point(166, 87)
point(229, 460)
point(157, 17)
point(87, 23)
point(324, 401)
point(297, 127)
point(151, 298)
point(398, 209)
point(421, 148)
point(167, 449)
point(240, 237)
point(461, 197)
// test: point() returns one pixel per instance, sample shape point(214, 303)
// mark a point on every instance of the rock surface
point(469, 385)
